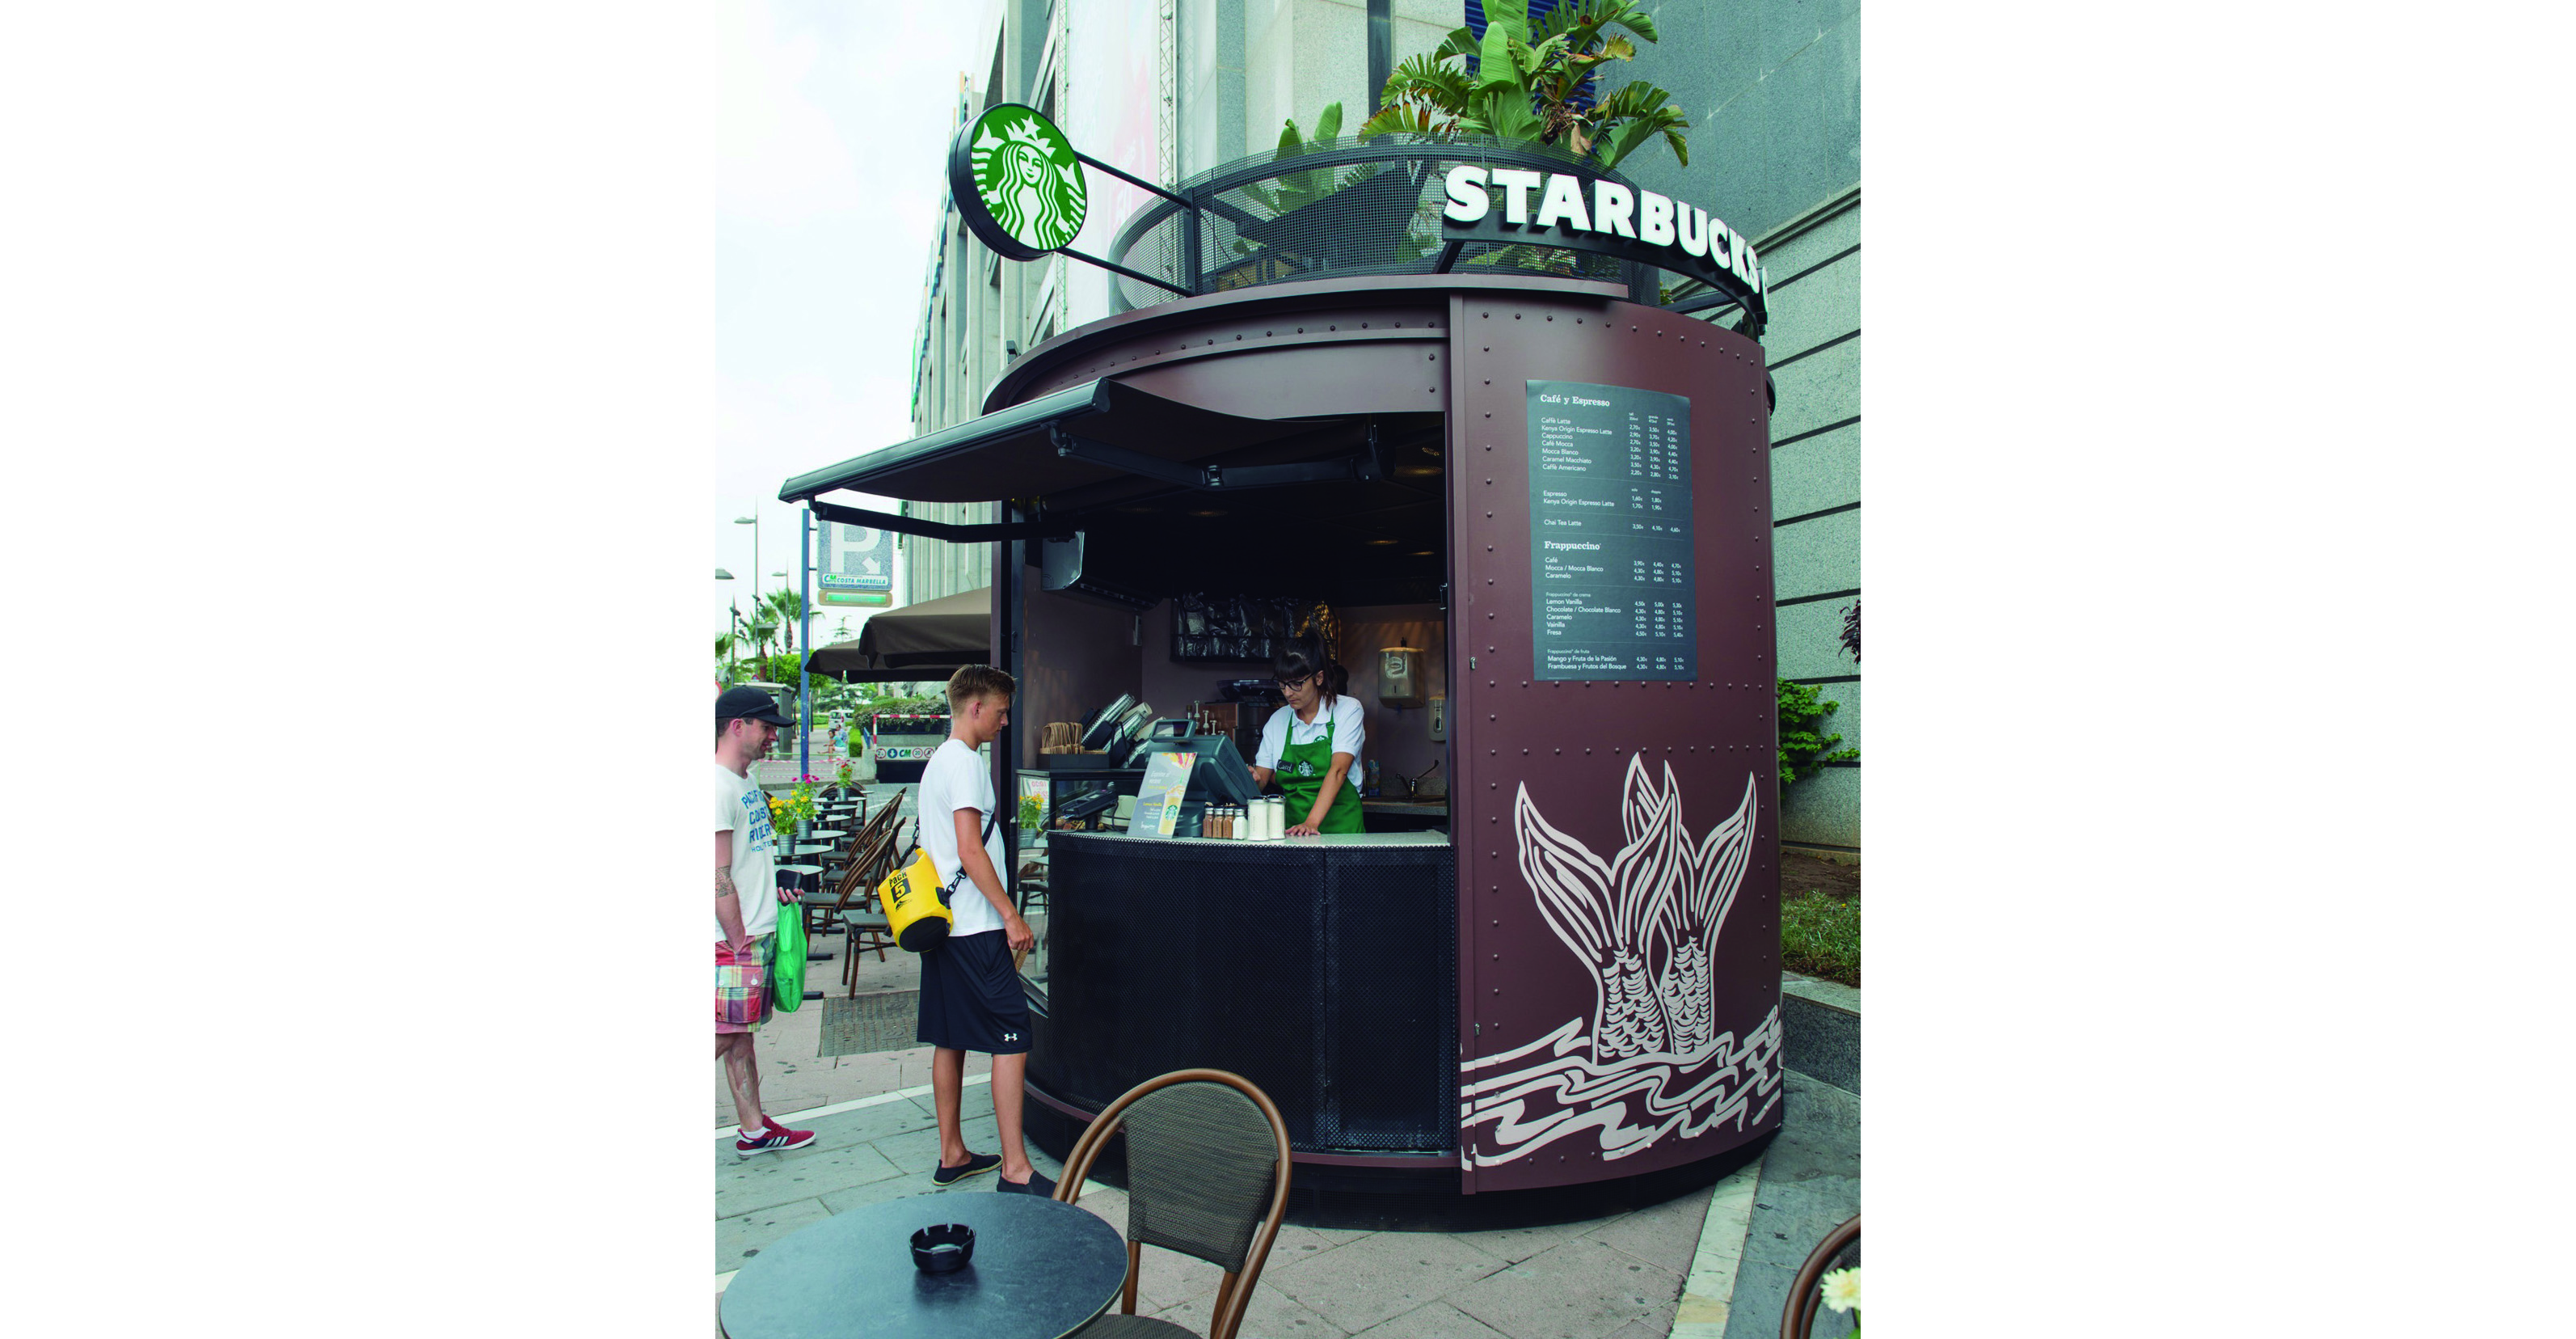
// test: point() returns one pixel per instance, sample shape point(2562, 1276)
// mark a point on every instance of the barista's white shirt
point(955, 779)
point(1284, 729)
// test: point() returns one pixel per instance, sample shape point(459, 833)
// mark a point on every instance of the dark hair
point(1304, 655)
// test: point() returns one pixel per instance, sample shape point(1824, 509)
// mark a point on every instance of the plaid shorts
point(742, 986)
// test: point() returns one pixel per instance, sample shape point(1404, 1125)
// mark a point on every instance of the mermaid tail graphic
point(1645, 925)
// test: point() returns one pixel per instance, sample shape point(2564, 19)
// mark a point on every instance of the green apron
point(1301, 777)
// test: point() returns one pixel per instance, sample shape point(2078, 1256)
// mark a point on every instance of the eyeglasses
point(1298, 682)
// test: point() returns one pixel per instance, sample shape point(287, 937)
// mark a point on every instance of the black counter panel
point(1324, 973)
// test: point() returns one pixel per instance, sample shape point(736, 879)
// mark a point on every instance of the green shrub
point(1820, 936)
point(1802, 749)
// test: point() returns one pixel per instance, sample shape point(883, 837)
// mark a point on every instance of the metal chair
point(1840, 1248)
point(1207, 1175)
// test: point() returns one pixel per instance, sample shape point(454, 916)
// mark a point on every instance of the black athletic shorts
point(971, 998)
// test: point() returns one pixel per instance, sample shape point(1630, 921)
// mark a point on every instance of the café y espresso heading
point(1590, 214)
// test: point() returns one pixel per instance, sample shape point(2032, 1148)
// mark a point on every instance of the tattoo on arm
point(724, 884)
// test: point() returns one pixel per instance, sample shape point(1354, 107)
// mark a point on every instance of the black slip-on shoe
point(1037, 1184)
point(976, 1164)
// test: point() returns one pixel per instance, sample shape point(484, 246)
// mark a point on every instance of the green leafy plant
point(1031, 807)
point(1528, 81)
point(1802, 748)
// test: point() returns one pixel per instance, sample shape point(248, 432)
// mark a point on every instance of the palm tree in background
point(788, 608)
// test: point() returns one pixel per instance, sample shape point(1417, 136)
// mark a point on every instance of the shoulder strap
point(989, 816)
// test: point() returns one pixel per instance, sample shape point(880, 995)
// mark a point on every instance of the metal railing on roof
point(1347, 207)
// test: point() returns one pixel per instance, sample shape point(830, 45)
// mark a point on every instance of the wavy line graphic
point(1645, 925)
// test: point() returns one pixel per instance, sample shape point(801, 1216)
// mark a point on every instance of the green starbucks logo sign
point(1017, 182)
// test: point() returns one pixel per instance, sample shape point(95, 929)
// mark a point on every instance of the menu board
point(1610, 533)
point(1158, 799)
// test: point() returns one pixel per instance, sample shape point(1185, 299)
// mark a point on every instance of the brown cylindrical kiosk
point(1564, 1001)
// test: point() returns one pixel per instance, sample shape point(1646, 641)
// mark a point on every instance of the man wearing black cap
point(747, 898)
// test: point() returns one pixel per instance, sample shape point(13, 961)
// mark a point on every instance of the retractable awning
point(922, 641)
point(1012, 453)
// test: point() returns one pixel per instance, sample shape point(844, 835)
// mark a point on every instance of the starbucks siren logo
point(1017, 182)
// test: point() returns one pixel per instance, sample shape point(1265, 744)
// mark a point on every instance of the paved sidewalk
point(1618, 1277)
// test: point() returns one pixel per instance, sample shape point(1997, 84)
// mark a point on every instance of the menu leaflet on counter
point(1158, 798)
point(1611, 581)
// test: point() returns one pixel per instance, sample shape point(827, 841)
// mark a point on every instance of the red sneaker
point(776, 1138)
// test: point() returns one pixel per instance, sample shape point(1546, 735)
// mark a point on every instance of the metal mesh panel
point(1201, 1168)
point(1339, 208)
point(1331, 985)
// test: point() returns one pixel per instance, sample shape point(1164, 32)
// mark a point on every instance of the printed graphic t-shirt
point(956, 779)
point(743, 811)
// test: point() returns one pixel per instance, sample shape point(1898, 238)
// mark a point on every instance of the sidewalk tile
point(869, 1124)
point(1665, 1235)
point(1166, 1278)
point(1363, 1283)
point(1581, 1289)
point(1297, 1243)
point(1269, 1315)
point(740, 1237)
point(1439, 1320)
point(893, 1188)
point(918, 1150)
point(769, 1179)
point(1515, 1244)
point(1791, 1217)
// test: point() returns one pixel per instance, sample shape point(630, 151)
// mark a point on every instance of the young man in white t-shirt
point(747, 898)
point(970, 984)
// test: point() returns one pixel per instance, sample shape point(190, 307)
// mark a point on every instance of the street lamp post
point(753, 520)
point(805, 638)
point(735, 610)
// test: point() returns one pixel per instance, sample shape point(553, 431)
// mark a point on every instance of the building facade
point(1169, 88)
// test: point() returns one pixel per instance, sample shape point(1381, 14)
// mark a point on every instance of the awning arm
point(1364, 465)
point(956, 534)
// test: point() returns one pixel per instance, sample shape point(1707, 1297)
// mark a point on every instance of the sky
point(828, 185)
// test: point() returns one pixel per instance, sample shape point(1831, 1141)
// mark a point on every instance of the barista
point(1312, 744)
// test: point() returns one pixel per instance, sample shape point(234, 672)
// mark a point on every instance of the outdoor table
point(1042, 1269)
point(811, 848)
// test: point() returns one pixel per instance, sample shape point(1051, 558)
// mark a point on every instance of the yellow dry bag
point(916, 902)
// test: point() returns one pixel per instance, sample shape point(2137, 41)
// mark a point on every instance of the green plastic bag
point(787, 960)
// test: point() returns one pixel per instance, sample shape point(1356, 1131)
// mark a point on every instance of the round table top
point(800, 869)
point(812, 848)
point(825, 832)
point(1041, 1271)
